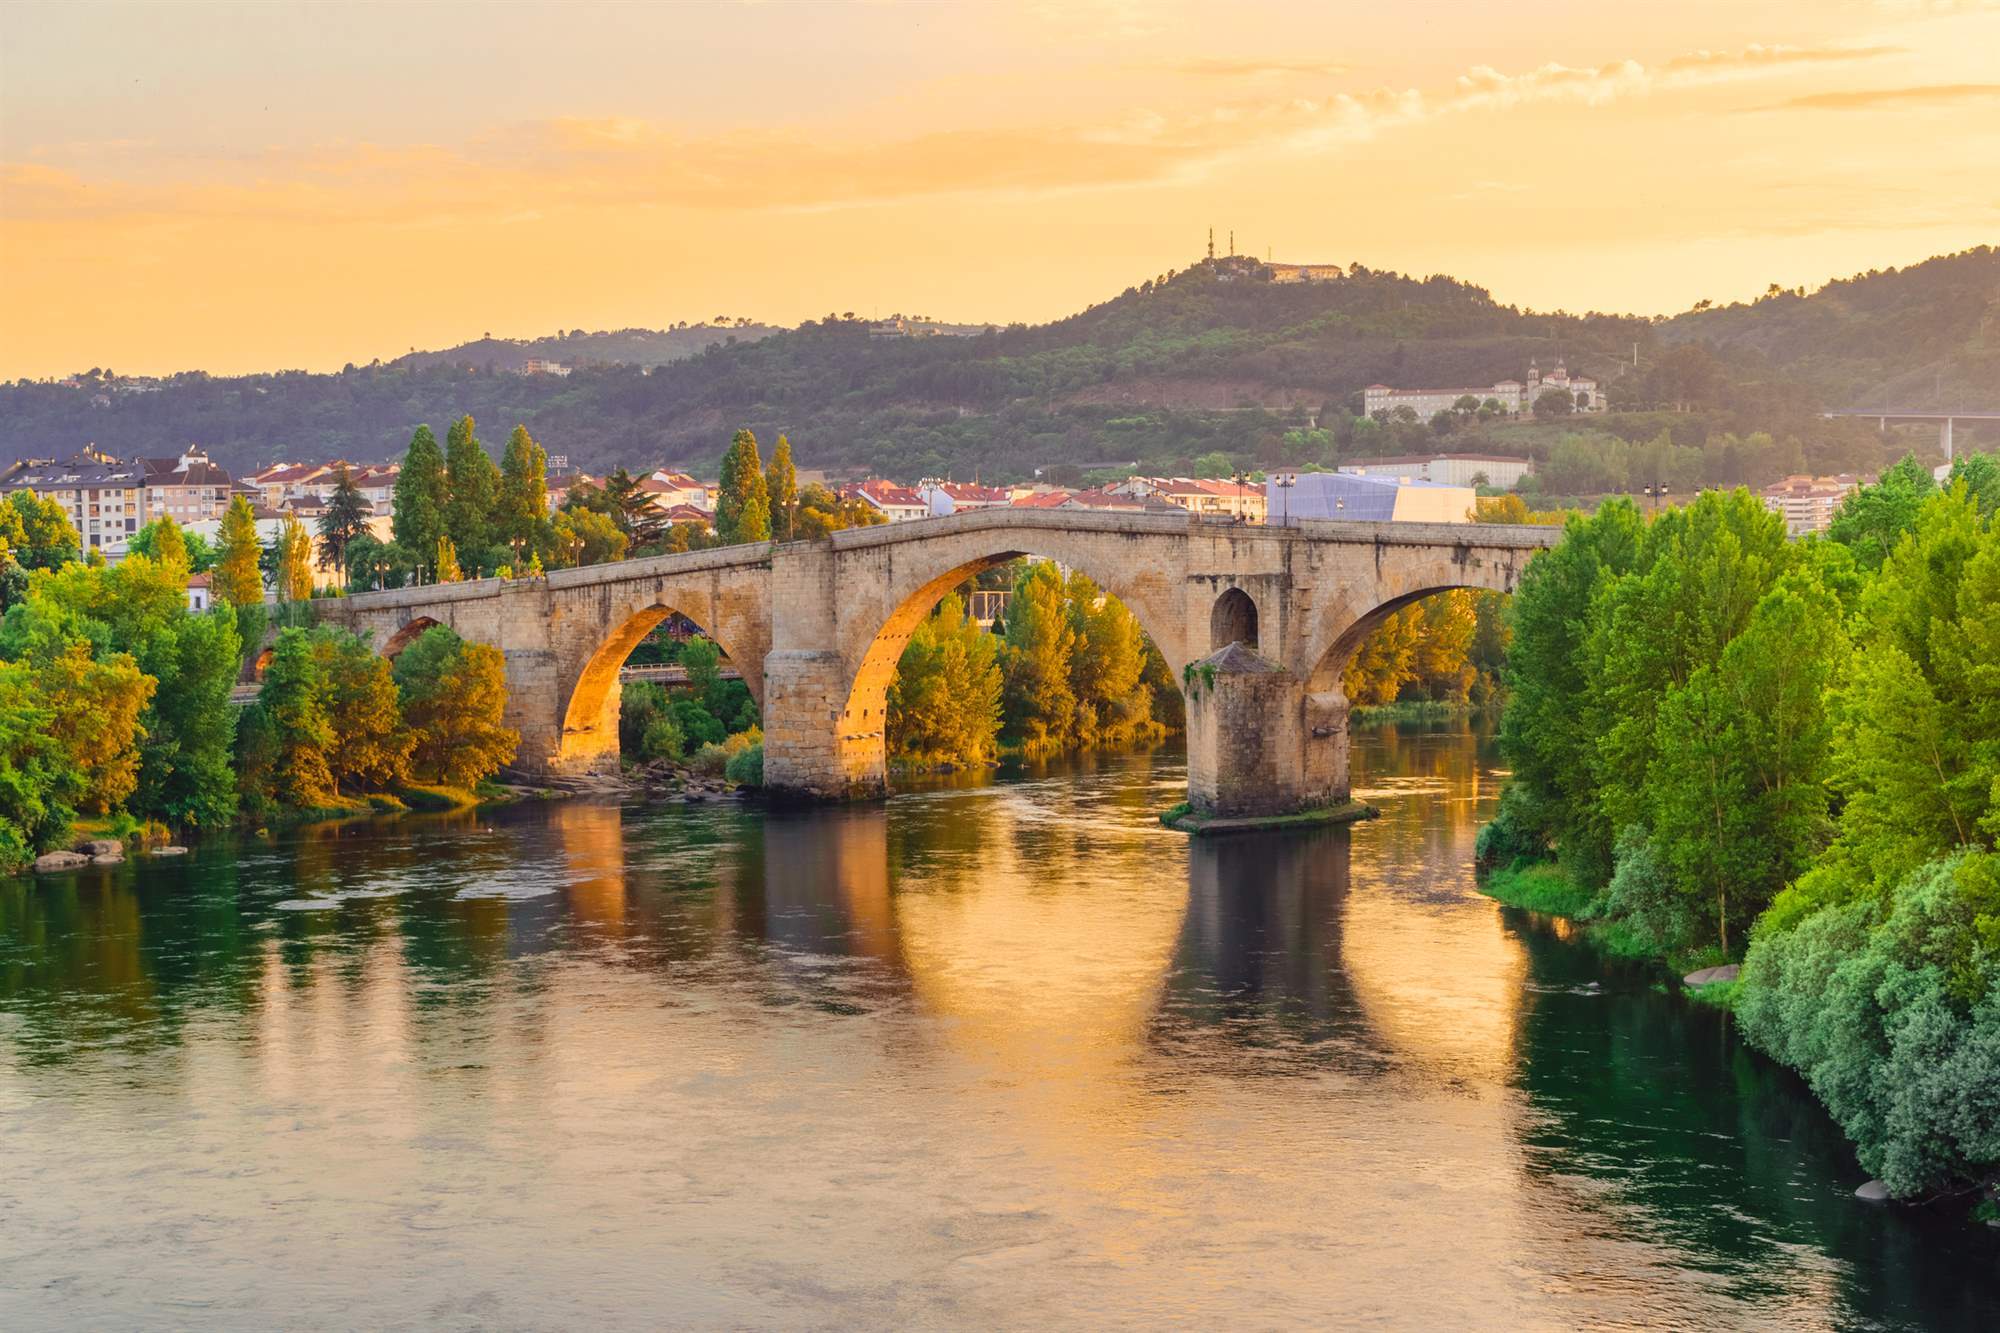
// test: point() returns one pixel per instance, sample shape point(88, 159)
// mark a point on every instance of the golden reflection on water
point(989, 1054)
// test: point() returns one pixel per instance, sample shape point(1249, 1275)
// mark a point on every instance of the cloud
point(1220, 67)
point(1869, 99)
point(624, 162)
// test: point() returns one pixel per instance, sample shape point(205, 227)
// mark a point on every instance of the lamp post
point(1285, 482)
point(381, 574)
point(1653, 494)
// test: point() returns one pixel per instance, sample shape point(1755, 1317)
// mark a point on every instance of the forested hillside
point(618, 347)
point(1924, 336)
point(1215, 359)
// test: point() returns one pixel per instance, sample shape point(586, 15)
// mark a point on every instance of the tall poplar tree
point(237, 580)
point(781, 487)
point(742, 503)
point(421, 494)
point(294, 574)
point(522, 512)
point(474, 485)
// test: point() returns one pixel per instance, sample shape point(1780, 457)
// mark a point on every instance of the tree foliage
point(454, 696)
point(418, 506)
point(742, 502)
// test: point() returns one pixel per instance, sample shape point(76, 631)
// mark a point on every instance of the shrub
point(663, 739)
point(1510, 836)
point(1644, 897)
point(1893, 1016)
point(746, 768)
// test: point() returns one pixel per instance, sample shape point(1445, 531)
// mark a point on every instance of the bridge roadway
point(817, 628)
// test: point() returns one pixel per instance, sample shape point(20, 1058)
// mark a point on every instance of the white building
point(950, 497)
point(104, 498)
point(1513, 396)
point(1498, 470)
point(898, 504)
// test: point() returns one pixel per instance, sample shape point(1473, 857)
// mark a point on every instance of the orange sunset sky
point(248, 187)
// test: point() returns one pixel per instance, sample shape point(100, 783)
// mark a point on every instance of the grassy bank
point(1411, 710)
point(1545, 887)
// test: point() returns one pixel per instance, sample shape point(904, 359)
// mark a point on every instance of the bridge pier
point(812, 749)
point(1259, 742)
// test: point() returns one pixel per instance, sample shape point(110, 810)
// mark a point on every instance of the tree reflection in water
point(1001, 1049)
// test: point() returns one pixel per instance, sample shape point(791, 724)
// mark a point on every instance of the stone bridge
point(817, 628)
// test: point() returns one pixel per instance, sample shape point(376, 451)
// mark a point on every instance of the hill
point(1219, 357)
point(619, 347)
point(1925, 336)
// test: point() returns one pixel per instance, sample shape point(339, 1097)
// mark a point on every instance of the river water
point(1005, 1054)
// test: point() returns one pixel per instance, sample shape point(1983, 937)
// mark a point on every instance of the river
point(1001, 1054)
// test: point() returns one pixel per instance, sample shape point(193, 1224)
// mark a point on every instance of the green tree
point(454, 700)
point(742, 504)
point(944, 703)
point(369, 743)
point(1549, 729)
point(296, 704)
point(1038, 706)
point(237, 578)
point(345, 519)
point(821, 511)
point(45, 538)
point(186, 775)
point(195, 551)
point(37, 781)
point(1738, 803)
point(585, 537)
point(1107, 658)
point(473, 485)
point(1701, 572)
point(418, 508)
point(1917, 754)
point(94, 703)
point(522, 511)
point(1874, 518)
point(781, 487)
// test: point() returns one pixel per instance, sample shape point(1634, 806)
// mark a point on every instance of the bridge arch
point(1233, 619)
point(590, 719)
point(1348, 616)
point(406, 635)
point(914, 579)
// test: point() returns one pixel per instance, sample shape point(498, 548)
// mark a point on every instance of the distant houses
point(1809, 503)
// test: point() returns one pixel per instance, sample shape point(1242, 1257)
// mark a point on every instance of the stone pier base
point(812, 749)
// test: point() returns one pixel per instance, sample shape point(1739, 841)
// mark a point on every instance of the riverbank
point(1413, 710)
point(1544, 887)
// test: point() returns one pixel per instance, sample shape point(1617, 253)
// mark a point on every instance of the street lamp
point(1285, 482)
point(1653, 494)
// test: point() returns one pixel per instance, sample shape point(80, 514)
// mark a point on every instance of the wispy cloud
point(1871, 99)
point(1221, 67)
point(635, 162)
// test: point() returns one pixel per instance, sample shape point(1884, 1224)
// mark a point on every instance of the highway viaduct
point(817, 629)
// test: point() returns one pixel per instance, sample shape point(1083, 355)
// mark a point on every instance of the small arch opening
point(406, 636)
point(1234, 620)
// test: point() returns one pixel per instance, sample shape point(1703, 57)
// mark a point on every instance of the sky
point(233, 187)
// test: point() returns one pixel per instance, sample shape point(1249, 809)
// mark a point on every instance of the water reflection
point(1003, 1051)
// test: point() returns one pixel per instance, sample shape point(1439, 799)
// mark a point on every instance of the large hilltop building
point(1513, 396)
